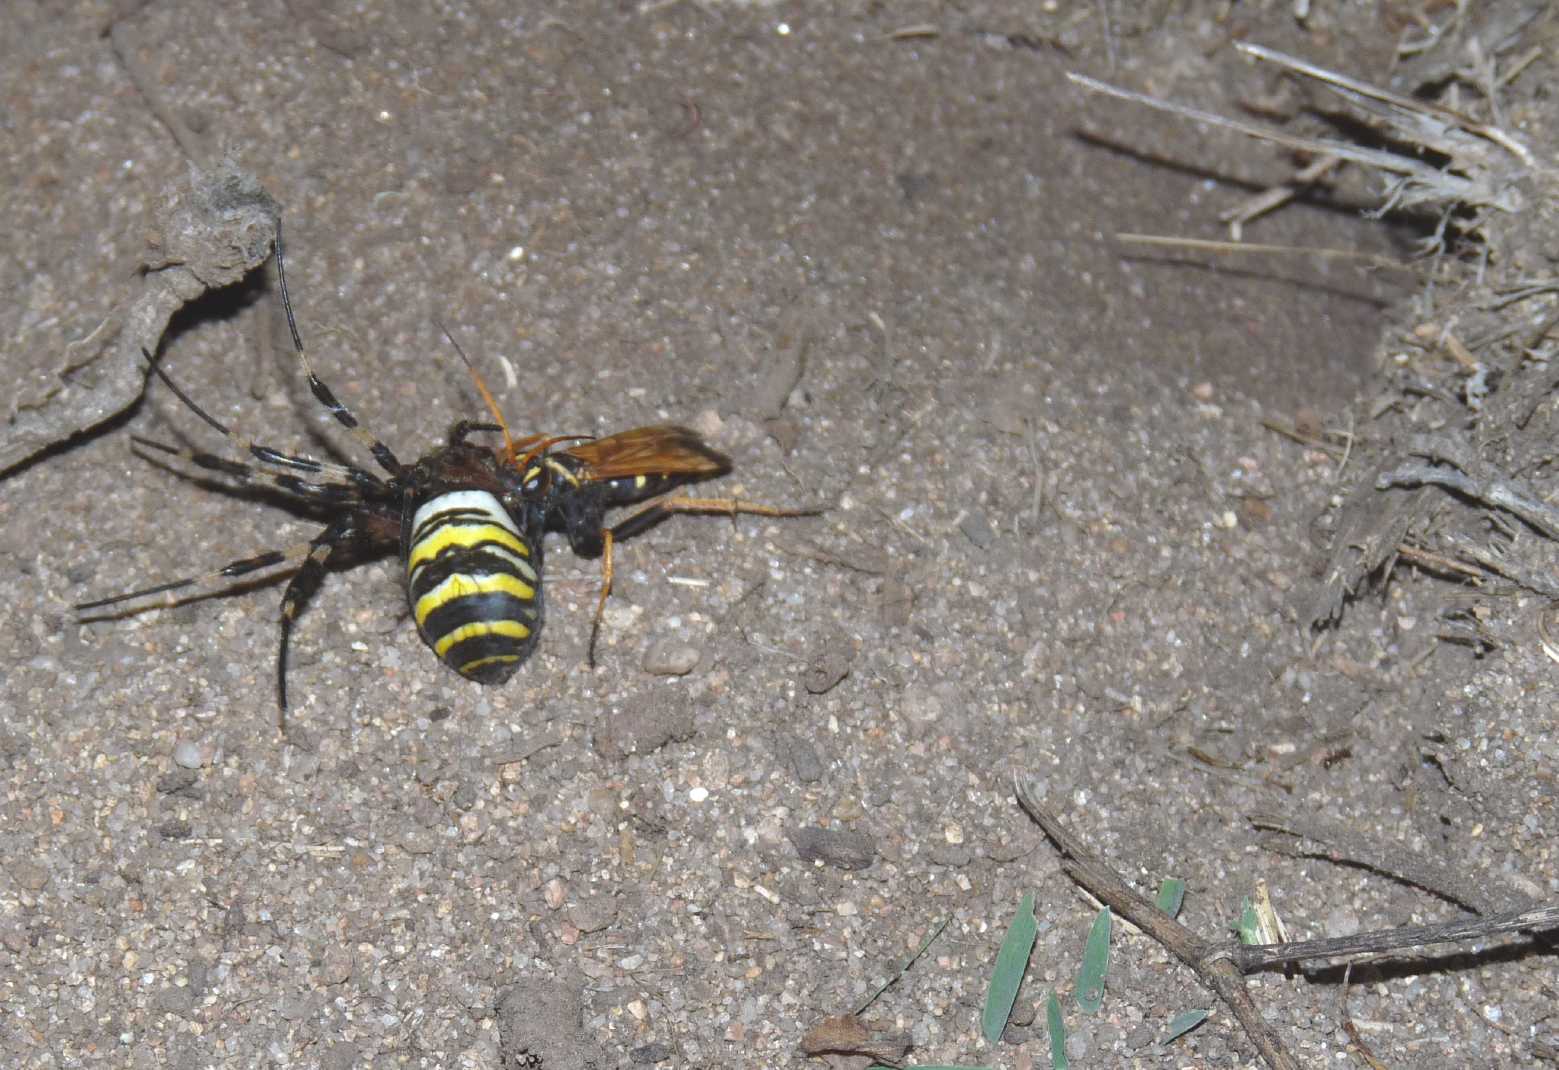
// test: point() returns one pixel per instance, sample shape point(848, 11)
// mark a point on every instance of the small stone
point(977, 529)
point(707, 423)
point(643, 729)
point(895, 603)
point(178, 782)
point(336, 968)
point(848, 808)
point(843, 850)
point(592, 915)
point(921, 706)
point(949, 855)
point(824, 671)
point(671, 657)
point(1023, 1013)
point(175, 1000)
point(29, 876)
point(649, 1054)
point(800, 756)
point(187, 755)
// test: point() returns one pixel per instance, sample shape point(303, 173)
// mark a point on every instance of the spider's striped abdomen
point(473, 580)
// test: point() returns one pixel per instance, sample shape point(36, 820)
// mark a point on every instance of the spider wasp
point(468, 519)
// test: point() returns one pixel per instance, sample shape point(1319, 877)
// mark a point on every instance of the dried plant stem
point(1385, 96)
point(1213, 963)
point(1221, 965)
point(1533, 919)
point(1471, 478)
point(1208, 245)
point(1384, 161)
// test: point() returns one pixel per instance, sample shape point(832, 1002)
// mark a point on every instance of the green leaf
point(1011, 963)
point(1250, 925)
point(1171, 894)
point(1183, 1023)
point(1057, 1032)
point(1096, 963)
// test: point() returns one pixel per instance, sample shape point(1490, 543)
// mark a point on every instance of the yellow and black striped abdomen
point(474, 583)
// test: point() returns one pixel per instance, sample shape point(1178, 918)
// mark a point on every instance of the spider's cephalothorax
point(468, 520)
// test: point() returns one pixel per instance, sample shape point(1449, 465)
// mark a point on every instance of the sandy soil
point(1060, 541)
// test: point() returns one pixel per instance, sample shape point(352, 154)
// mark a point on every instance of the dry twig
point(1466, 475)
point(1221, 964)
point(1212, 962)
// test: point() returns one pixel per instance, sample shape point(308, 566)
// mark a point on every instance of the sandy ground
point(1059, 541)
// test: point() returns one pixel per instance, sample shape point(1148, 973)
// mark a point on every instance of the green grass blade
point(1057, 1029)
point(1096, 963)
point(1171, 894)
point(1011, 963)
point(890, 982)
point(1183, 1023)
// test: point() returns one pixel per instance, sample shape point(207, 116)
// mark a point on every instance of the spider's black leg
point(465, 428)
point(374, 525)
point(242, 567)
point(329, 491)
point(266, 456)
point(300, 589)
point(381, 453)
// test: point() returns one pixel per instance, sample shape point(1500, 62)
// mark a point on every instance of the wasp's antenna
point(481, 388)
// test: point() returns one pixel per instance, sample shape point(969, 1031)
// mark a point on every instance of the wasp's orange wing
point(662, 450)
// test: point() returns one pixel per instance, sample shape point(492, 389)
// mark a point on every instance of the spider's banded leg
point(330, 491)
point(233, 569)
point(464, 429)
point(381, 453)
point(301, 588)
point(265, 455)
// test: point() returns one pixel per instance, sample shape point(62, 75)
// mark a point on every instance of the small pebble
point(834, 847)
point(29, 875)
point(977, 529)
point(671, 657)
point(187, 755)
point(825, 670)
point(707, 423)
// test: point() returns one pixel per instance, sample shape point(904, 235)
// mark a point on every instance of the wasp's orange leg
point(607, 539)
point(650, 515)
